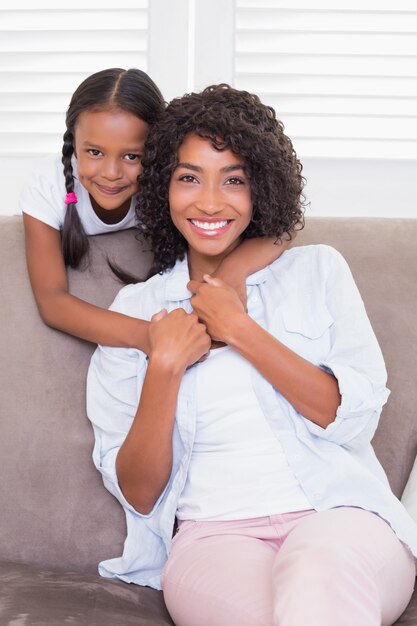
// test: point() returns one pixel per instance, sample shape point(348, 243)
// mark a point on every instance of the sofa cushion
point(42, 597)
point(409, 497)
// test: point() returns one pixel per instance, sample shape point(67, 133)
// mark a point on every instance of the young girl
point(92, 189)
point(261, 454)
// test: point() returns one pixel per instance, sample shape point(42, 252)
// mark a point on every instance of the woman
point(261, 452)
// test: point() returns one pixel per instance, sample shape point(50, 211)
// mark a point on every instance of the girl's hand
point(217, 305)
point(236, 282)
point(250, 256)
point(177, 339)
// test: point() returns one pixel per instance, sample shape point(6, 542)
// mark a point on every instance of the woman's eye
point(94, 152)
point(187, 178)
point(235, 181)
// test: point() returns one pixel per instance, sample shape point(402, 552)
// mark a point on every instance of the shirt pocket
point(308, 332)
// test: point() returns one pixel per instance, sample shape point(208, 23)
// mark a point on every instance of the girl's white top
point(43, 197)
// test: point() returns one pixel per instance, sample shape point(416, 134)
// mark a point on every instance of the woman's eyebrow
point(233, 168)
point(198, 168)
point(189, 166)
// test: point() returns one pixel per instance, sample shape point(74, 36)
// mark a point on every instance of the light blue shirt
point(309, 301)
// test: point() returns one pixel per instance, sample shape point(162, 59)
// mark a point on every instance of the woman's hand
point(177, 339)
point(217, 305)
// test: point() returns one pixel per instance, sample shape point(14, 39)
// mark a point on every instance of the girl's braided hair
point(130, 90)
point(228, 118)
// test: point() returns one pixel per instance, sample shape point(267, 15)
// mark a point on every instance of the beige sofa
point(56, 519)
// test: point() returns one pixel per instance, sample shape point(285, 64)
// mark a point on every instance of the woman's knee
point(345, 560)
point(221, 580)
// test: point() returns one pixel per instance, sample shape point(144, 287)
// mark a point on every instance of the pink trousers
point(342, 567)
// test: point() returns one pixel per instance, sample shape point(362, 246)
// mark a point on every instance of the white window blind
point(342, 76)
point(45, 52)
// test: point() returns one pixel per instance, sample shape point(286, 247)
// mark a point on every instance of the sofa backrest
point(54, 510)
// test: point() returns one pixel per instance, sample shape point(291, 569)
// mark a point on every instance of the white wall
point(360, 187)
point(187, 44)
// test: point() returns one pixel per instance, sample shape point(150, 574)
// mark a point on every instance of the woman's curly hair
point(233, 119)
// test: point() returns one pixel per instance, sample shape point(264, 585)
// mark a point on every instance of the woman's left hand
point(216, 304)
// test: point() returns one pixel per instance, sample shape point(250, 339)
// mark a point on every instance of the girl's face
point(109, 146)
point(210, 201)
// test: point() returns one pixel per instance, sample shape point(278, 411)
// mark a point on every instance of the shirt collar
point(258, 277)
point(179, 276)
point(176, 282)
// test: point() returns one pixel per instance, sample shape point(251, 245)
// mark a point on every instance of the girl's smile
point(111, 191)
point(210, 201)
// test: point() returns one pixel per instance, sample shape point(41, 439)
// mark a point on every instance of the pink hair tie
point(71, 198)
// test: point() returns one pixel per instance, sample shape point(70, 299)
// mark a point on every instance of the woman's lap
point(324, 568)
point(349, 567)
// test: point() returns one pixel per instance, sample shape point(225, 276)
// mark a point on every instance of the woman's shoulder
point(317, 254)
point(311, 264)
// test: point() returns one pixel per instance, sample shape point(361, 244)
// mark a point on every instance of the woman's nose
point(209, 201)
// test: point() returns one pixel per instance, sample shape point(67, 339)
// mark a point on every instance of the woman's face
point(109, 147)
point(210, 199)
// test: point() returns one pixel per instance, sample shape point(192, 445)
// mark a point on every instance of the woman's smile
point(210, 228)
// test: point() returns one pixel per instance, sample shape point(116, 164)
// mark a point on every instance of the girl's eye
point(133, 157)
point(94, 152)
